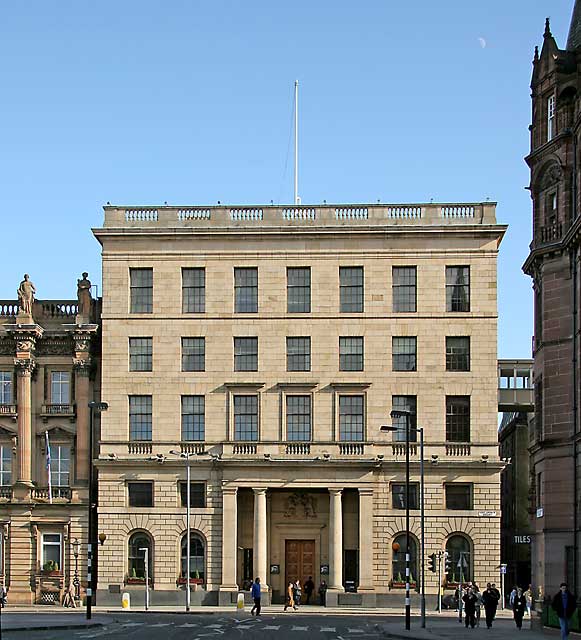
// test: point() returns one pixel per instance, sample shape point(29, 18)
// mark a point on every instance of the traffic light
point(447, 562)
point(433, 563)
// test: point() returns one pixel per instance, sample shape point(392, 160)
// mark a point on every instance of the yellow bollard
point(240, 601)
point(126, 601)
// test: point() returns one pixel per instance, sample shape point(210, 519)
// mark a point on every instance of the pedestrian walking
point(297, 593)
point(3, 596)
point(309, 588)
point(255, 593)
point(519, 605)
point(478, 603)
point(529, 598)
point(512, 597)
point(564, 603)
point(469, 600)
point(323, 593)
point(290, 601)
point(490, 599)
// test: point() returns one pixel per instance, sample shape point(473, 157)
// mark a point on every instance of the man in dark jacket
point(470, 601)
point(519, 606)
point(490, 599)
point(564, 603)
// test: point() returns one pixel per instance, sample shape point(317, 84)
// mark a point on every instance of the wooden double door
point(299, 561)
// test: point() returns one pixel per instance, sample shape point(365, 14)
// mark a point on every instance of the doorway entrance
point(299, 561)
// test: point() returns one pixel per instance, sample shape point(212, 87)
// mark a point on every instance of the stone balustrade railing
point(5, 492)
point(8, 410)
point(387, 451)
point(58, 493)
point(291, 216)
point(42, 310)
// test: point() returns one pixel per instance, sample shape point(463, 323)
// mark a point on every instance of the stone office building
point(48, 374)
point(270, 344)
point(554, 264)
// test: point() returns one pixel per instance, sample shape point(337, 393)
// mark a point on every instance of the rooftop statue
point(84, 296)
point(26, 292)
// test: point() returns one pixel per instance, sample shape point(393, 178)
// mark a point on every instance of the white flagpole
point(48, 467)
point(297, 199)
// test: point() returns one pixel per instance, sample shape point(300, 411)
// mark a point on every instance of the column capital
point(83, 366)
point(231, 491)
point(335, 492)
point(25, 366)
point(260, 490)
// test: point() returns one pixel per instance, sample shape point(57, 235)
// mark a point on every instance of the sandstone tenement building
point(554, 265)
point(270, 344)
point(49, 371)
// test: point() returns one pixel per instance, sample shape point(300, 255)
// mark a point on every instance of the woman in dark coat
point(470, 599)
point(519, 606)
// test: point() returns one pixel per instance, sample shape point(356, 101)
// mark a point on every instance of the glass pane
point(351, 418)
point(140, 354)
point(193, 354)
point(404, 354)
point(351, 354)
point(399, 562)
point(141, 286)
point(245, 354)
point(298, 289)
point(457, 288)
point(246, 418)
point(458, 418)
point(140, 417)
point(193, 418)
point(404, 403)
point(404, 289)
point(5, 387)
point(351, 289)
point(298, 416)
point(246, 290)
point(298, 354)
point(194, 290)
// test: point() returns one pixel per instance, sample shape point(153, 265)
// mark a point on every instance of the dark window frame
point(398, 495)
point(351, 353)
point(349, 429)
point(246, 353)
point(464, 495)
point(298, 351)
point(196, 431)
point(299, 423)
point(197, 495)
point(458, 288)
point(140, 353)
point(405, 403)
point(140, 290)
point(457, 359)
point(404, 353)
point(194, 291)
point(404, 289)
point(142, 494)
point(241, 409)
point(140, 419)
point(193, 358)
point(245, 289)
point(458, 418)
point(351, 289)
point(298, 293)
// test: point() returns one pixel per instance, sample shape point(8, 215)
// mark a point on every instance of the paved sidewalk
point(33, 620)
point(450, 629)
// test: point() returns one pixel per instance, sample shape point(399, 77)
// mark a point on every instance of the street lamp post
point(94, 407)
point(186, 456)
point(76, 582)
point(409, 429)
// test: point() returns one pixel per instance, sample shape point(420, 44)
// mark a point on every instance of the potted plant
point(134, 578)
point(50, 568)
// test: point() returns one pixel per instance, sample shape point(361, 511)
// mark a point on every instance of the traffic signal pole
point(439, 582)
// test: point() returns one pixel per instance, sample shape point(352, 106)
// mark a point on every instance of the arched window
point(197, 558)
point(136, 557)
point(398, 559)
point(460, 559)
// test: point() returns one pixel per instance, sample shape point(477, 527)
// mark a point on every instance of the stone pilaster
point(260, 540)
point(229, 543)
point(366, 585)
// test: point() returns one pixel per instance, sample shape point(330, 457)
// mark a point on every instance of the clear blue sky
point(189, 102)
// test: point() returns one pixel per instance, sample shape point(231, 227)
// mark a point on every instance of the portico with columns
point(267, 529)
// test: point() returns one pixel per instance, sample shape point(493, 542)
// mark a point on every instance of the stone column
point(229, 544)
point(336, 540)
point(260, 535)
point(82, 361)
point(365, 540)
point(24, 371)
point(82, 397)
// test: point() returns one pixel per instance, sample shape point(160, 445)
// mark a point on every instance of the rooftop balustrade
point(482, 213)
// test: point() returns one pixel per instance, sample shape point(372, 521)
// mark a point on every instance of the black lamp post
point(94, 407)
point(76, 582)
point(400, 413)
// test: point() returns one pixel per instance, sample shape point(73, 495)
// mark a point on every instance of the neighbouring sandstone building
point(554, 266)
point(48, 374)
point(269, 345)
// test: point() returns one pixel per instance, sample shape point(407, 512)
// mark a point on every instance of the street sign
point(502, 568)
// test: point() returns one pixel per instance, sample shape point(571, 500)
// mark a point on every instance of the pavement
point(317, 622)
